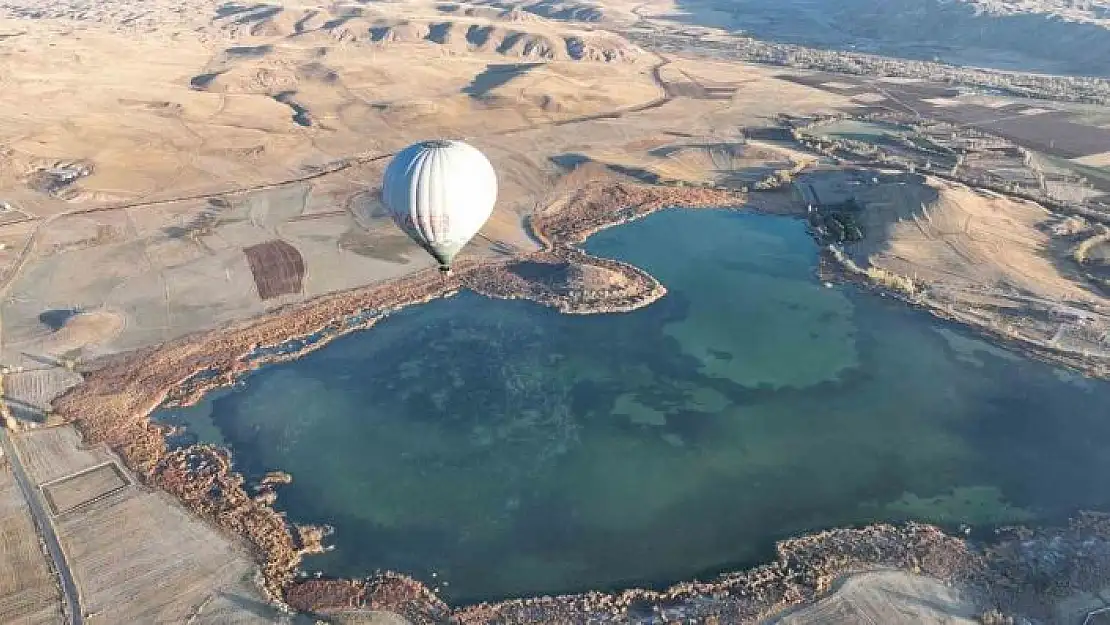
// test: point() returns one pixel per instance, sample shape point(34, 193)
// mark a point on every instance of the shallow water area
point(497, 448)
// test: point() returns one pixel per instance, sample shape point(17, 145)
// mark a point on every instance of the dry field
point(890, 598)
point(28, 589)
point(51, 454)
point(84, 487)
point(29, 393)
point(140, 558)
point(137, 555)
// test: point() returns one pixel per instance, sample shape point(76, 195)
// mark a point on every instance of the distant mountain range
point(1052, 36)
point(1049, 36)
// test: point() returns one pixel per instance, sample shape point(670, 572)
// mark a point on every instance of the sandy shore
point(115, 403)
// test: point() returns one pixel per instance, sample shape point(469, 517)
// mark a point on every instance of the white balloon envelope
point(440, 193)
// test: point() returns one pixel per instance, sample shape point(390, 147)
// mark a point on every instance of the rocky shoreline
point(115, 403)
point(804, 568)
point(1023, 571)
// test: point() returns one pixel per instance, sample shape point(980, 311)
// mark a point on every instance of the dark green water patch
point(497, 448)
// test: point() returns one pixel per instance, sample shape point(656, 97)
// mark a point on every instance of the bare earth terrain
point(184, 182)
point(875, 597)
point(136, 555)
point(28, 590)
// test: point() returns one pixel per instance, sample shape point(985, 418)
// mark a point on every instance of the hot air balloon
point(440, 193)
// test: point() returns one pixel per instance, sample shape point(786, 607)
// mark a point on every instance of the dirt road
point(46, 530)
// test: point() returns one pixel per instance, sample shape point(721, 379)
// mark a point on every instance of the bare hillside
point(505, 30)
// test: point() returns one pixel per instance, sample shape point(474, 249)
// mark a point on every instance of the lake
point(497, 448)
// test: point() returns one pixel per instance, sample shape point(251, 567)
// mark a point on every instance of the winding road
point(45, 529)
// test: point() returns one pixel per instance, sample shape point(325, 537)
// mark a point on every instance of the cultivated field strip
point(28, 591)
point(76, 490)
point(29, 393)
point(51, 454)
point(137, 556)
point(140, 558)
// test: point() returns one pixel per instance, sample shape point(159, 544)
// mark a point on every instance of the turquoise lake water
point(497, 448)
